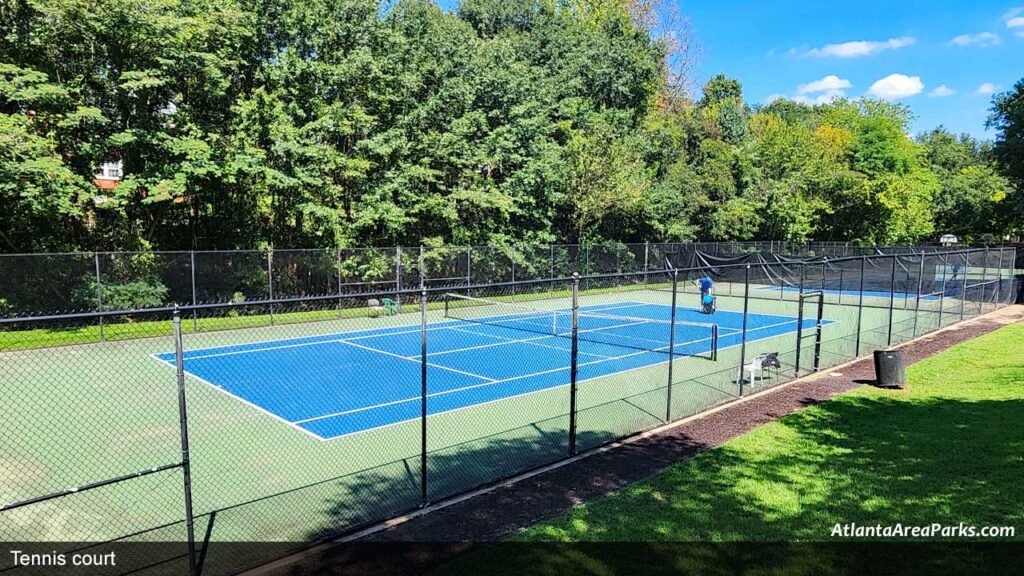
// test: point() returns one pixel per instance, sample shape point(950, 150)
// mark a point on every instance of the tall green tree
point(1007, 117)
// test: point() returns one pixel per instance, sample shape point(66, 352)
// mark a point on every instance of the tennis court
point(334, 385)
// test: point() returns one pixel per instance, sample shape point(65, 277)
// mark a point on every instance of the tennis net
point(632, 332)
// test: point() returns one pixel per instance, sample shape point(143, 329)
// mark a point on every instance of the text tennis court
point(338, 384)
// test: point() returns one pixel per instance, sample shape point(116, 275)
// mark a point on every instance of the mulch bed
point(505, 509)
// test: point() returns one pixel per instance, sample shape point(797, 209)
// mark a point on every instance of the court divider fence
point(209, 423)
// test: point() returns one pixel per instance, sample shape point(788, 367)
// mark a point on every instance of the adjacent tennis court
point(334, 385)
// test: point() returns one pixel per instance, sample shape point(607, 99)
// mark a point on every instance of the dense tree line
point(246, 123)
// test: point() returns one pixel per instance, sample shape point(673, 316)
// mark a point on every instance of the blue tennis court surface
point(338, 384)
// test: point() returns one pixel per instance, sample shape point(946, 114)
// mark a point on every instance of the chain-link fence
point(336, 394)
point(50, 284)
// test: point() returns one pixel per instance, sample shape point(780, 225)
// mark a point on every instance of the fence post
point(99, 293)
point(984, 270)
point(647, 247)
point(574, 361)
point(860, 303)
point(551, 249)
point(512, 258)
point(270, 282)
point(743, 333)
point(999, 277)
point(423, 396)
point(586, 261)
point(892, 298)
point(920, 284)
point(186, 466)
point(963, 282)
point(341, 313)
point(671, 346)
point(799, 321)
point(423, 278)
point(840, 285)
point(195, 316)
point(469, 267)
point(942, 293)
point(398, 276)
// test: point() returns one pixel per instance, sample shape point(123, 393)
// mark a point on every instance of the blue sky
point(803, 49)
point(948, 56)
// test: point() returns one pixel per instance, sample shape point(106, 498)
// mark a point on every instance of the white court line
point(234, 396)
point(418, 359)
point(448, 325)
point(267, 349)
point(543, 372)
point(341, 336)
point(530, 341)
point(503, 381)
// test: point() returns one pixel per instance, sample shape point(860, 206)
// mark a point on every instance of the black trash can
point(889, 371)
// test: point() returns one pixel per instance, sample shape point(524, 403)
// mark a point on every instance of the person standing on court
point(707, 292)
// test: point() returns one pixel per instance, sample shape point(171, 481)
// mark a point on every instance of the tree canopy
point(243, 124)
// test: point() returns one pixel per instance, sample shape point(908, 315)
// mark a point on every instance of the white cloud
point(830, 82)
point(1014, 21)
point(824, 98)
point(942, 91)
point(824, 91)
point(980, 39)
point(773, 97)
point(860, 48)
point(987, 88)
point(896, 86)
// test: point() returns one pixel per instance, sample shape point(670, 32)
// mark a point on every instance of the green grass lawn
point(949, 449)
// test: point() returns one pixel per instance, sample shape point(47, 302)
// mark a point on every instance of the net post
point(920, 286)
point(743, 332)
point(186, 466)
point(99, 293)
point(574, 362)
point(469, 267)
point(671, 346)
point(446, 299)
point(963, 284)
point(423, 396)
point(892, 298)
point(942, 293)
point(270, 282)
point(192, 264)
point(984, 270)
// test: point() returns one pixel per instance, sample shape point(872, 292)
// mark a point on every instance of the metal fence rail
point(286, 416)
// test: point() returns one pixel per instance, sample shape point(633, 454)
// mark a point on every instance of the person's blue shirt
point(705, 284)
